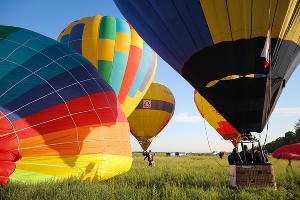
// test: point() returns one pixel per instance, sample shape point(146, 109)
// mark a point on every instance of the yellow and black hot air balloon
point(221, 48)
point(152, 114)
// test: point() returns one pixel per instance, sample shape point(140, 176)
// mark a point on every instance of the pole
point(252, 152)
point(244, 155)
point(262, 153)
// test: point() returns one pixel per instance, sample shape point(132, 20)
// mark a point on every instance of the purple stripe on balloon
point(156, 105)
point(75, 41)
point(63, 88)
point(149, 72)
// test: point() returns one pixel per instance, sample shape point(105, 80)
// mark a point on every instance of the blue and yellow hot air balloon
point(223, 47)
point(152, 114)
point(58, 116)
point(120, 55)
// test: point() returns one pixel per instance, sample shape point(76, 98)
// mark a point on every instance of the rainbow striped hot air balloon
point(152, 114)
point(58, 117)
point(120, 55)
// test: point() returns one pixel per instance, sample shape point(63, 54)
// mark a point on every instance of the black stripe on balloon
point(243, 102)
point(156, 105)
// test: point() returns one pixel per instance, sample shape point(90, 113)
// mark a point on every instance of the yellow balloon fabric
point(152, 114)
point(119, 54)
point(216, 120)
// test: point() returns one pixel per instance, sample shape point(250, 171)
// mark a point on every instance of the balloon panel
point(216, 120)
point(217, 45)
point(57, 114)
point(289, 152)
point(152, 114)
point(120, 55)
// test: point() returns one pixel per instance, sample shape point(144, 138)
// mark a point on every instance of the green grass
point(191, 177)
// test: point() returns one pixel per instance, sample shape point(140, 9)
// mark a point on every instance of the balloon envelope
point(58, 117)
point(120, 55)
point(289, 152)
point(152, 114)
point(218, 45)
point(216, 120)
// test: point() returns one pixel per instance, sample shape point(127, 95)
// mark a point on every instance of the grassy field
point(191, 177)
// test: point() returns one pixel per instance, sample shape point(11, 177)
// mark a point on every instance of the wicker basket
point(253, 176)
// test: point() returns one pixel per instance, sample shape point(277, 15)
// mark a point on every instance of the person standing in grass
point(149, 155)
point(220, 155)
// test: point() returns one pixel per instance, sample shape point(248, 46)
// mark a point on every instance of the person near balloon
point(234, 158)
point(290, 162)
point(220, 155)
point(266, 156)
point(258, 156)
point(246, 156)
point(149, 155)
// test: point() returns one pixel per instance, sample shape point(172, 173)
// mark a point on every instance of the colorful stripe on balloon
point(120, 55)
point(56, 112)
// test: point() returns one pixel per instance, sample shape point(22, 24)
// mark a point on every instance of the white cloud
point(185, 118)
point(289, 111)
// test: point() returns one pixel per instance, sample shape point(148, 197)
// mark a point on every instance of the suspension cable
point(266, 133)
point(209, 143)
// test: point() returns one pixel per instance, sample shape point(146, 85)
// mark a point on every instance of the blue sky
point(186, 130)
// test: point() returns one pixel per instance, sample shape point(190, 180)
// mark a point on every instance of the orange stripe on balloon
point(90, 141)
point(133, 62)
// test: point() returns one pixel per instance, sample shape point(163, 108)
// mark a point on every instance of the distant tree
point(297, 125)
point(270, 147)
point(289, 138)
point(297, 130)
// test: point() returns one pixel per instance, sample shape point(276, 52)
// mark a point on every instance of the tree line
point(290, 137)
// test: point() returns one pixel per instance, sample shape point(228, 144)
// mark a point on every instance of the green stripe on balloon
point(105, 68)
point(108, 28)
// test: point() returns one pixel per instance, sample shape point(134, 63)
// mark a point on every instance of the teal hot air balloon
point(58, 116)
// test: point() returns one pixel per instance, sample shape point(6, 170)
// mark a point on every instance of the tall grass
point(191, 177)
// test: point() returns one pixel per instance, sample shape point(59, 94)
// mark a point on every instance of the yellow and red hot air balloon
point(120, 55)
point(58, 117)
point(152, 114)
point(216, 120)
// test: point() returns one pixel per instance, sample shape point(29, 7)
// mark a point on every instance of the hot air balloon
point(289, 152)
point(120, 55)
point(238, 55)
point(58, 116)
point(152, 114)
point(216, 120)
